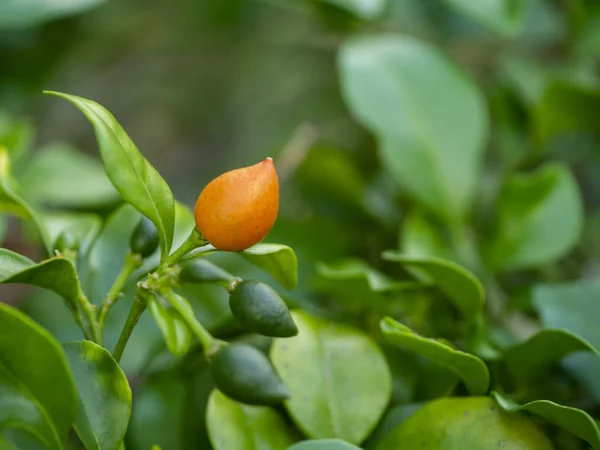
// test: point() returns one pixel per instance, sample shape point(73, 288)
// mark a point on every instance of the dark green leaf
point(342, 393)
point(232, 425)
point(323, 444)
point(457, 283)
point(531, 359)
point(11, 202)
point(176, 333)
point(55, 274)
point(431, 141)
point(540, 218)
point(30, 361)
point(504, 17)
point(574, 420)
point(17, 14)
point(104, 396)
point(62, 176)
point(138, 182)
point(471, 370)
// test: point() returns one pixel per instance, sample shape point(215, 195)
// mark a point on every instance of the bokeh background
point(205, 86)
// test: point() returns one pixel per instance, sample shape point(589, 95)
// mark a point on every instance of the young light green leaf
point(574, 307)
point(138, 182)
point(16, 135)
point(504, 17)
point(532, 358)
point(431, 141)
point(471, 370)
point(104, 396)
point(342, 393)
point(11, 202)
point(323, 444)
point(233, 425)
point(277, 260)
point(178, 336)
point(365, 9)
point(30, 361)
point(62, 176)
point(573, 420)
point(540, 218)
point(456, 282)
point(55, 274)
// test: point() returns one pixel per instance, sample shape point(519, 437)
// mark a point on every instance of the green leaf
point(55, 274)
point(11, 202)
point(540, 218)
point(30, 361)
point(104, 396)
point(158, 413)
point(573, 420)
point(470, 369)
point(431, 141)
point(504, 17)
point(138, 182)
point(390, 421)
point(84, 227)
point(62, 176)
point(343, 392)
point(232, 425)
point(574, 307)
point(457, 283)
point(16, 135)
point(356, 269)
point(566, 107)
point(178, 336)
point(365, 9)
point(277, 260)
point(323, 444)
point(19, 13)
point(528, 361)
point(419, 238)
point(461, 423)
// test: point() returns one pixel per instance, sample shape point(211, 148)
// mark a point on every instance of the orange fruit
point(238, 209)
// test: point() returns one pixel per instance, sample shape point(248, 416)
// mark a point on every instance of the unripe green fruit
point(66, 241)
point(246, 375)
point(203, 271)
point(144, 239)
point(259, 308)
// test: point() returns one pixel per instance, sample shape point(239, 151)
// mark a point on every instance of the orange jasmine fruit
point(238, 209)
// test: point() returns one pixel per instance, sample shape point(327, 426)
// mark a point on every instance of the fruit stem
point(137, 309)
point(194, 240)
point(208, 341)
point(132, 262)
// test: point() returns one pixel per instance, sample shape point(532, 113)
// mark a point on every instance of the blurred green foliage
point(463, 136)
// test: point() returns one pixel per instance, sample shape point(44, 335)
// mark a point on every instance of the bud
point(238, 209)
point(144, 239)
